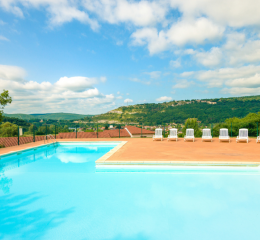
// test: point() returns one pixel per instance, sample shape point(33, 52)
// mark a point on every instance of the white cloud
point(224, 74)
point(139, 13)
point(139, 81)
point(236, 51)
point(156, 42)
point(119, 97)
point(183, 84)
point(236, 91)
point(77, 84)
point(59, 12)
point(163, 99)
point(211, 58)
point(180, 33)
point(250, 82)
point(12, 73)
point(194, 31)
point(10, 6)
point(119, 43)
point(186, 74)
point(128, 100)
point(223, 12)
point(75, 94)
point(2, 38)
point(236, 81)
point(103, 79)
point(154, 74)
point(175, 64)
point(240, 51)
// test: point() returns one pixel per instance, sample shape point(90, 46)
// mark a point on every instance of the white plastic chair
point(158, 134)
point(223, 135)
point(173, 134)
point(243, 135)
point(189, 134)
point(206, 134)
point(258, 139)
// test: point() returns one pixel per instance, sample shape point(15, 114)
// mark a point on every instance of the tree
point(8, 130)
point(4, 100)
point(192, 123)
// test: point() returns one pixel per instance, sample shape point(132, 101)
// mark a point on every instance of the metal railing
point(51, 137)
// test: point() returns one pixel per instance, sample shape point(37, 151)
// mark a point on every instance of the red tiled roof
point(136, 130)
point(115, 133)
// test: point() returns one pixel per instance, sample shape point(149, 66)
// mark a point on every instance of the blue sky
point(89, 57)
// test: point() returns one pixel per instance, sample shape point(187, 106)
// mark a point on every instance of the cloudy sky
point(91, 56)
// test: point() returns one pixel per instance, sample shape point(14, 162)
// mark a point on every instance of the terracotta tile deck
point(147, 150)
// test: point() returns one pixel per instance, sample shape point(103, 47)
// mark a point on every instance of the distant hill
point(205, 110)
point(20, 115)
point(47, 116)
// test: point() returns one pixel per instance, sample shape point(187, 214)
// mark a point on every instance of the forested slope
point(206, 111)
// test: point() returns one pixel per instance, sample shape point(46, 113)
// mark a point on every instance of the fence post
point(164, 130)
point(76, 132)
point(33, 134)
point(18, 140)
point(212, 129)
point(55, 131)
point(257, 130)
point(119, 129)
point(142, 130)
point(231, 129)
point(97, 130)
point(46, 129)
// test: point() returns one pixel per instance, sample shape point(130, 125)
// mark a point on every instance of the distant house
point(138, 132)
point(127, 131)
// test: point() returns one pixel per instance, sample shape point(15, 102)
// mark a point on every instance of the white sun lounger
point(223, 135)
point(243, 135)
point(189, 134)
point(173, 134)
point(206, 134)
point(158, 134)
point(258, 139)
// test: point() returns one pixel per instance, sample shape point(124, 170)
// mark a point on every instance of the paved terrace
point(146, 150)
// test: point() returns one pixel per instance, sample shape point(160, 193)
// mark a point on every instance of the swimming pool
point(55, 192)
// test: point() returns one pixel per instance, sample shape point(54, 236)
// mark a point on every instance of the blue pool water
point(56, 193)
